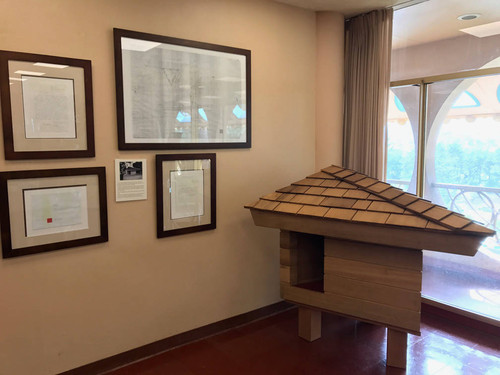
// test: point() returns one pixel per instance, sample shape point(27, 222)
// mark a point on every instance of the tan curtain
point(367, 79)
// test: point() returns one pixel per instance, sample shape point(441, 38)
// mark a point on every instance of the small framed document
point(47, 210)
point(47, 109)
point(131, 180)
point(174, 93)
point(185, 193)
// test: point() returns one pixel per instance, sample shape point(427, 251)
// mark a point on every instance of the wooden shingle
point(356, 193)
point(321, 175)
point(432, 225)
point(408, 221)
point(334, 192)
point(338, 202)
point(361, 204)
point(330, 183)
point(313, 210)
point(437, 213)
point(266, 205)
point(307, 199)
point(340, 213)
point(366, 182)
point(285, 197)
point(355, 177)
point(456, 221)
point(473, 227)
point(290, 208)
point(346, 185)
point(285, 189)
point(420, 206)
point(379, 187)
point(344, 173)
point(406, 199)
point(272, 196)
point(332, 169)
point(384, 207)
point(371, 217)
point(309, 182)
point(315, 190)
point(299, 189)
point(392, 193)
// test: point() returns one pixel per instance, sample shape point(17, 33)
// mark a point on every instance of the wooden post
point(396, 348)
point(309, 324)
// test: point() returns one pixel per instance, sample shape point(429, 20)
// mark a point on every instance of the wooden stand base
point(367, 282)
point(396, 348)
point(309, 324)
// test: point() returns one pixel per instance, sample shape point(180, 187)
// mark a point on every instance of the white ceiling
point(420, 23)
point(348, 8)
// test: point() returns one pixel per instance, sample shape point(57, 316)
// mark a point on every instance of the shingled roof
point(344, 195)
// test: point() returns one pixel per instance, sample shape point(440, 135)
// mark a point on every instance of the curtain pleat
point(367, 83)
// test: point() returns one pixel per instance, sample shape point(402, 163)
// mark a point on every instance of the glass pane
point(402, 137)
point(463, 173)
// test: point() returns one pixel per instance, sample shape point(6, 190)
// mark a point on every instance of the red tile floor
point(271, 346)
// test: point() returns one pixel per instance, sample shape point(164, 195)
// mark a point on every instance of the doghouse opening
point(310, 261)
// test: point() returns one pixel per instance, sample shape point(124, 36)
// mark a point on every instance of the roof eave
point(412, 238)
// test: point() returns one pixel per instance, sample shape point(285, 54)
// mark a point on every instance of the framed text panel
point(47, 107)
point(47, 210)
point(185, 190)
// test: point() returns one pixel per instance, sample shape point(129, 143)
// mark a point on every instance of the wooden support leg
point(309, 324)
point(396, 348)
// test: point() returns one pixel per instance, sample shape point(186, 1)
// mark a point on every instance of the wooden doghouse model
point(352, 245)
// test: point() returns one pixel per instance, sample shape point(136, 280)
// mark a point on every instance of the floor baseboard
point(107, 364)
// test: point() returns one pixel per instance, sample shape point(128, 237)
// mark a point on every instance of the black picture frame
point(38, 95)
point(185, 193)
point(176, 94)
point(17, 237)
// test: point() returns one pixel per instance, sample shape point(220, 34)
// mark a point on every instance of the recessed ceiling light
point(468, 17)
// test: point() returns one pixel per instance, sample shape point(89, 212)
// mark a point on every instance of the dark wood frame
point(160, 195)
point(5, 223)
point(122, 145)
point(10, 153)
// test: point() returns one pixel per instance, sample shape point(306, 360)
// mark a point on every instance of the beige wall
point(64, 309)
point(329, 88)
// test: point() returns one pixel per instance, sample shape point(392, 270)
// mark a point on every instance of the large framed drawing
point(179, 94)
point(53, 209)
point(47, 108)
point(185, 193)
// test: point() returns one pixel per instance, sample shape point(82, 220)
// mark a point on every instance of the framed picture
point(54, 209)
point(185, 193)
point(47, 109)
point(179, 94)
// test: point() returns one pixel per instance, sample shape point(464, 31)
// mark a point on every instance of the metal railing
point(477, 202)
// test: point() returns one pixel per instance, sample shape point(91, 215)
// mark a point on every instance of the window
point(402, 137)
point(443, 142)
